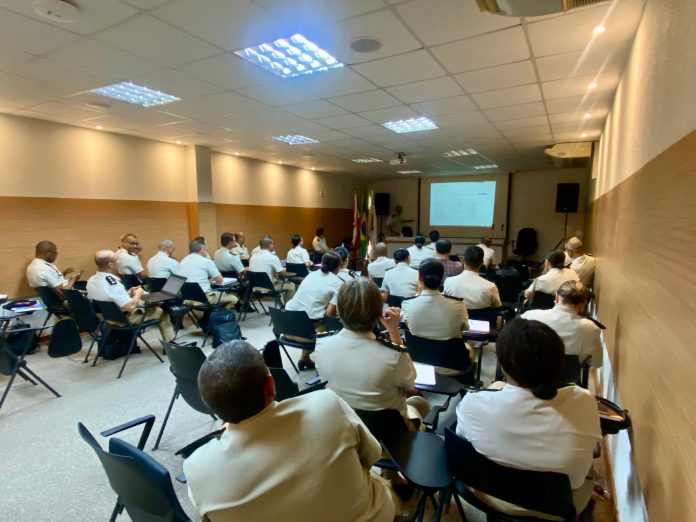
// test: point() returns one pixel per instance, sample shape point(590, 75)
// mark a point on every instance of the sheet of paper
point(479, 326)
point(425, 374)
point(228, 281)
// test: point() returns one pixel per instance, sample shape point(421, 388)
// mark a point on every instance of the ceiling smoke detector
point(365, 44)
point(60, 11)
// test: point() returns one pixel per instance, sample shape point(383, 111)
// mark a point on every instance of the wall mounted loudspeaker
point(382, 203)
point(567, 196)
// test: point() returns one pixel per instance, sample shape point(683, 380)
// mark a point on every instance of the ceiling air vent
point(533, 8)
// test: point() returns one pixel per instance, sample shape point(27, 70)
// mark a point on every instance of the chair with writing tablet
point(54, 304)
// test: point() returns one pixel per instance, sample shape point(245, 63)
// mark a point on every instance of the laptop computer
point(170, 290)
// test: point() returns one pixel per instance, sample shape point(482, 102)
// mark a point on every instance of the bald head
point(380, 250)
point(575, 247)
point(104, 259)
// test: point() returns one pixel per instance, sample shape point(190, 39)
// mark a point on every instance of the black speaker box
point(567, 196)
point(382, 203)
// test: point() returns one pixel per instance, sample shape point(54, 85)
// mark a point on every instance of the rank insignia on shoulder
point(111, 280)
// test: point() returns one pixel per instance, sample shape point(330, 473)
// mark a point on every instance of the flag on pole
point(363, 227)
point(372, 221)
point(356, 224)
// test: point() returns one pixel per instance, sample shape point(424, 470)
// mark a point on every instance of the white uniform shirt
point(128, 264)
point(379, 266)
point(306, 458)
point(315, 293)
point(104, 286)
point(514, 428)
point(580, 336)
point(265, 261)
point(433, 316)
point(198, 269)
point(365, 373)
point(402, 281)
point(297, 255)
point(319, 243)
point(476, 291)
point(584, 266)
point(241, 251)
point(488, 255)
point(43, 273)
point(419, 254)
point(226, 260)
point(551, 280)
point(161, 265)
point(431, 246)
point(345, 275)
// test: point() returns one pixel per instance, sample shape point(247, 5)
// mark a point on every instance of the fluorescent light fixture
point(178, 142)
point(290, 57)
point(236, 153)
point(411, 125)
point(598, 30)
point(135, 94)
point(587, 116)
point(591, 85)
point(367, 160)
point(482, 167)
point(99, 127)
point(457, 153)
point(295, 139)
point(584, 135)
point(280, 163)
point(409, 172)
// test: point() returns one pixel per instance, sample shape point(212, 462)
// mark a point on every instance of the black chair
point(394, 300)
point(65, 339)
point(299, 269)
point(130, 280)
point(542, 301)
point(155, 284)
point(490, 315)
point(286, 388)
point(184, 362)
point(83, 314)
point(574, 372)
point(13, 365)
point(378, 281)
point(333, 324)
point(200, 303)
point(450, 353)
point(54, 304)
point(295, 324)
point(116, 320)
point(259, 286)
point(510, 285)
point(144, 487)
point(526, 243)
point(541, 491)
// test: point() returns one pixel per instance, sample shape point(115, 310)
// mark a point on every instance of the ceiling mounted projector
point(533, 7)
point(57, 10)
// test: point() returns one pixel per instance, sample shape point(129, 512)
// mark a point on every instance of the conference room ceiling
point(505, 87)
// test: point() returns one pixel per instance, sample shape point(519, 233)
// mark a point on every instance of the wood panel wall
point(643, 233)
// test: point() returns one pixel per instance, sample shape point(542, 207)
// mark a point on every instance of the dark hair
point(195, 247)
point(486, 241)
point(556, 259)
point(432, 272)
point(330, 262)
point(320, 231)
point(443, 246)
point(226, 238)
point(232, 381)
point(434, 236)
point(573, 293)
point(531, 353)
point(199, 239)
point(401, 254)
point(359, 304)
point(295, 240)
point(342, 253)
point(473, 257)
point(419, 240)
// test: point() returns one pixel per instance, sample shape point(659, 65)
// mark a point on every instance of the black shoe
point(306, 365)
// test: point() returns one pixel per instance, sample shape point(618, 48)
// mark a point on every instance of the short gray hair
point(166, 243)
point(196, 247)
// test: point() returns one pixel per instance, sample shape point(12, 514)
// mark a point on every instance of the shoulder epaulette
point(385, 341)
point(453, 297)
point(111, 280)
point(321, 335)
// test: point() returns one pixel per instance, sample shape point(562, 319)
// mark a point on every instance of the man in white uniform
point(106, 286)
point(240, 249)
point(226, 260)
point(265, 261)
point(488, 253)
point(247, 473)
point(402, 280)
point(554, 275)
point(197, 267)
point(580, 336)
point(127, 258)
point(162, 264)
point(381, 263)
point(476, 291)
point(582, 263)
point(43, 272)
point(297, 254)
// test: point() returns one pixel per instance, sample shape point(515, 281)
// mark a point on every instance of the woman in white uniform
point(402, 280)
point(555, 274)
point(344, 274)
point(418, 252)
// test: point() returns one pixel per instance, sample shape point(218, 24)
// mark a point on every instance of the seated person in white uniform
point(240, 249)
point(266, 261)
point(369, 374)
point(430, 314)
point(162, 264)
point(344, 273)
point(127, 259)
point(298, 254)
point(434, 236)
point(529, 424)
point(106, 286)
point(225, 258)
point(488, 253)
point(580, 336)
point(319, 242)
point(582, 263)
point(418, 252)
point(317, 296)
point(554, 275)
point(201, 239)
point(197, 267)
point(306, 458)
point(43, 272)
point(476, 291)
point(381, 262)
point(402, 280)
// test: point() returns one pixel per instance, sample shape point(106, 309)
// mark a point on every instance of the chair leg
point(7, 388)
point(166, 416)
point(54, 392)
point(130, 349)
point(289, 358)
point(116, 511)
point(149, 347)
point(26, 377)
point(89, 350)
point(100, 349)
point(458, 502)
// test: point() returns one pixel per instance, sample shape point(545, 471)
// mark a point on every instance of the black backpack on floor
point(117, 343)
point(223, 326)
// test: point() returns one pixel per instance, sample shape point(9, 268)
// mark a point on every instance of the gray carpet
point(49, 473)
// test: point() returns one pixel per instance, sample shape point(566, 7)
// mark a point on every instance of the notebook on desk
point(476, 326)
point(226, 281)
point(425, 374)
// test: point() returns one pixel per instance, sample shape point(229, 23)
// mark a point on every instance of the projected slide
point(462, 204)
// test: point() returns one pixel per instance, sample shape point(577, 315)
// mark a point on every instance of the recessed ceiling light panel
point(408, 172)
point(294, 139)
point(135, 94)
point(290, 57)
point(410, 125)
point(457, 153)
point(367, 160)
point(483, 167)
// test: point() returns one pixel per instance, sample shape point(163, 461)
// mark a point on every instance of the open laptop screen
point(173, 284)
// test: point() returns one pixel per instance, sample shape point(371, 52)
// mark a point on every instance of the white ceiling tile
point(440, 21)
point(10, 83)
point(60, 74)
point(598, 113)
point(410, 67)
point(178, 83)
point(343, 122)
point(302, 127)
point(573, 136)
point(578, 127)
point(522, 122)
point(366, 101)
point(11, 58)
point(193, 109)
point(520, 142)
point(315, 109)
point(272, 116)
point(324, 9)
point(227, 70)
point(587, 102)
point(595, 59)
point(227, 102)
point(506, 46)
point(527, 131)
point(277, 93)
point(391, 114)
point(509, 96)
point(192, 127)
point(452, 105)
point(461, 120)
point(26, 34)
point(145, 4)
point(577, 86)
point(329, 135)
point(519, 73)
point(15, 99)
point(67, 112)
point(172, 45)
point(368, 131)
point(426, 90)
point(336, 82)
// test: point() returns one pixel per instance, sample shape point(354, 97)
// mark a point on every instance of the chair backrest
point(130, 280)
point(451, 353)
point(81, 311)
point(49, 298)
point(542, 301)
point(297, 268)
point(260, 280)
point(142, 484)
point(296, 323)
point(333, 324)
point(484, 314)
point(7, 358)
point(185, 362)
point(394, 300)
point(378, 281)
point(383, 424)
point(284, 385)
point(542, 491)
point(111, 312)
point(526, 243)
point(192, 291)
point(155, 284)
point(229, 273)
point(509, 285)
point(573, 372)
point(65, 339)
